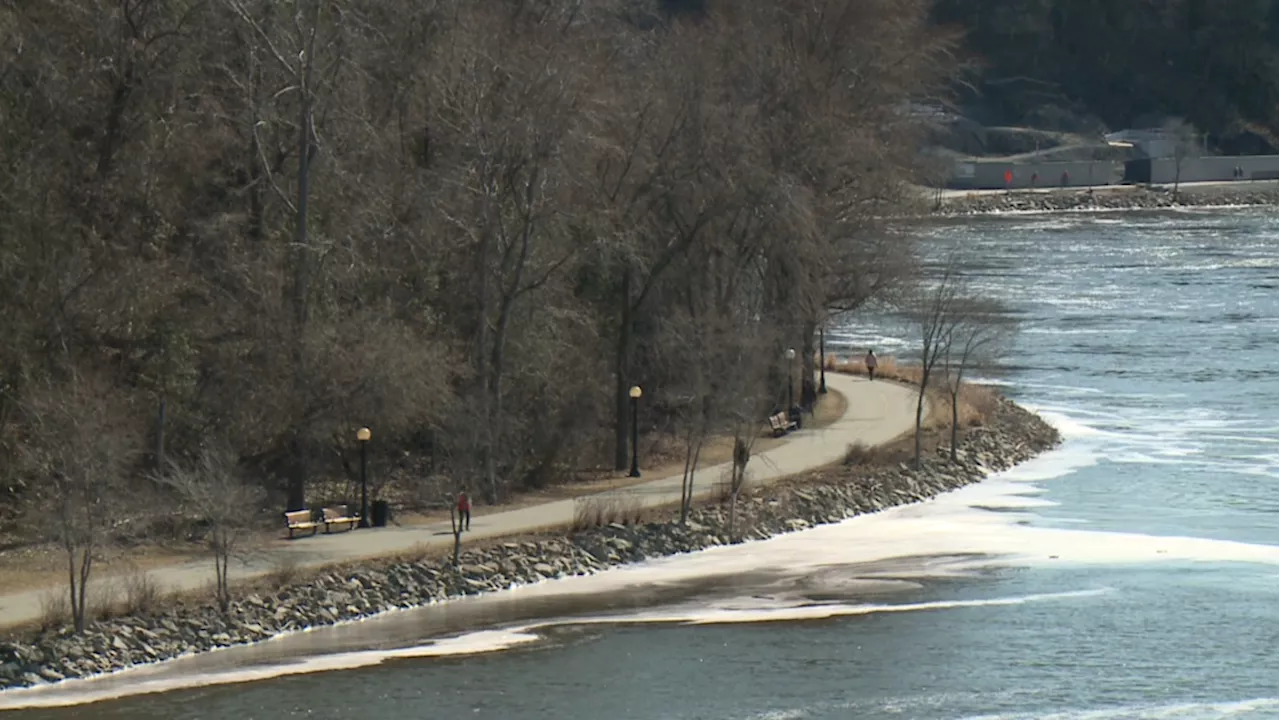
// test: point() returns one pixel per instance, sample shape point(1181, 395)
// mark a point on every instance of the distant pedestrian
point(871, 363)
point(464, 511)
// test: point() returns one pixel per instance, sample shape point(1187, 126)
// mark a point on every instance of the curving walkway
point(876, 413)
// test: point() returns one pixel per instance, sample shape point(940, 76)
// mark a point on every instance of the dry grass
point(55, 609)
point(142, 594)
point(132, 594)
point(601, 510)
point(723, 491)
point(102, 603)
point(860, 454)
point(285, 571)
point(40, 566)
point(419, 552)
point(977, 402)
point(887, 368)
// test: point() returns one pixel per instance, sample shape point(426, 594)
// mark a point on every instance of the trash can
point(381, 513)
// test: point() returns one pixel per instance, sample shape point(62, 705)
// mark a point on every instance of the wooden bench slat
point(339, 515)
point(300, 520)
point(781, 424)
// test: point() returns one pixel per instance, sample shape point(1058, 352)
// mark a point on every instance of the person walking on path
point(464, 511)
point(870, 362)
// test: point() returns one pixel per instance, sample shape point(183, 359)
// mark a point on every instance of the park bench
point(300, 520)
point(781, 424)
point(339, 516)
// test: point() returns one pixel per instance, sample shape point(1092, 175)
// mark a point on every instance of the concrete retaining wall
point(1206, 169)
point(996, 175)
point(992, 175)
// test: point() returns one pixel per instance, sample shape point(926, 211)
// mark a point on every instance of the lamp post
point(635, 393)
point(363, 435)
point(791, 378)
point(822, 360)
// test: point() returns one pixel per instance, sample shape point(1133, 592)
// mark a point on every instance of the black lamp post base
point(634, 473)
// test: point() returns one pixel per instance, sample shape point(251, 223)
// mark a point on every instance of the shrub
point(604, 509)
point(284, 572)
point(55, 609)
point(141, 593)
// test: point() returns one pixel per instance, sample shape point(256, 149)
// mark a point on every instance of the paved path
point(876, 413)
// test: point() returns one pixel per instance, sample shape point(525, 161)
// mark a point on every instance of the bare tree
point(506, 110)
point(1185, 145)
point(747, 402)
point(931, 310)
point(455, 522)
point(308, 59)
point(471, 226)
point(214, 492)
point(80, 445)
point(655, 185)
point(977, 332)
point(698, 411)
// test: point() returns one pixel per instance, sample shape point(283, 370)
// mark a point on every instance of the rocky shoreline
point(1012, 435)
point(1110, 198)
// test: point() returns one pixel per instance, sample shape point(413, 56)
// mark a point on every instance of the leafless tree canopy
point(79, 448)
point(212, 492)
point(470, 226)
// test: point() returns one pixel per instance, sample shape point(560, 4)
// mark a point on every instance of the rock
point(1011, 436)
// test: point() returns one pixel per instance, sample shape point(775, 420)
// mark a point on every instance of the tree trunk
point(456, 523)
point(221, 557)
point(622, 372)
point(76, 617)
point(160, 420)
point(297, 474)
point(919, 421)
point(164, 402)
point(79, 588)
point(955, 422)
point(495, 421)
point(697, 437)
point(733, 511)
point(300, 291)
point(258, 184)
point(807, 365)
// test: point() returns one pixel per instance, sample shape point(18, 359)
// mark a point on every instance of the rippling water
point(1131, 574)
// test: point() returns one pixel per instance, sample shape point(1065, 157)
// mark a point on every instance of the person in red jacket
point(464, 511)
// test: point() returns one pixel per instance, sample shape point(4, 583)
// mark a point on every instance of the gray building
point(1164, 171)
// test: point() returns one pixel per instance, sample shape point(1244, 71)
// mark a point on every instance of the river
point(1132, 573)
